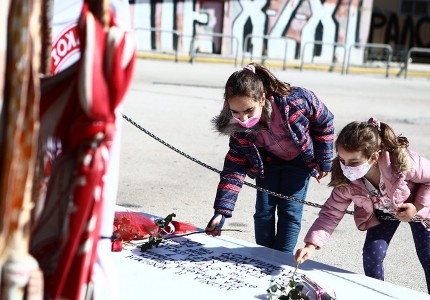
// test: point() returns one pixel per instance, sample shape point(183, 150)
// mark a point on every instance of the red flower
point(116, 246)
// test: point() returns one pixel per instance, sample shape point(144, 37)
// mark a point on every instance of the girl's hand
point(406, 212)
point(215, 225)
point(305, 253)
point(321, 174)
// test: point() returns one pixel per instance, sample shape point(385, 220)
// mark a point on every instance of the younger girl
point(280, 135)
point(387, 183)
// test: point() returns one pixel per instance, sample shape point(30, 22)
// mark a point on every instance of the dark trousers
point(378, 239)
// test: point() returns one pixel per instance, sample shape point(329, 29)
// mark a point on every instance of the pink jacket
point(409, 186)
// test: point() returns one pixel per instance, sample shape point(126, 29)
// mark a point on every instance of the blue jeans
point(378, 239)
point(290, 178)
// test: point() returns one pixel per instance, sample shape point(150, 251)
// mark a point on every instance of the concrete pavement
point(176, 101)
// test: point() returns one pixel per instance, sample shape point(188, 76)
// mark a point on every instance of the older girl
point(280, 135)
point(387, 183)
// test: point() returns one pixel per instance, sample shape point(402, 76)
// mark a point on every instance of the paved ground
point(176, 101)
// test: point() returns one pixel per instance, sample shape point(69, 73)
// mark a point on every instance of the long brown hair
point(370, 137)
point(247, 83)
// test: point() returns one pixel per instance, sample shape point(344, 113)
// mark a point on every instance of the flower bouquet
point(299, 287)
point(136, 229)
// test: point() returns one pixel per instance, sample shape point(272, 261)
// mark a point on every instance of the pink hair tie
point(375, 123)
point(250, 68)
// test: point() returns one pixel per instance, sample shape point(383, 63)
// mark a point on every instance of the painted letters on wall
point(286, 25)
point(400, 29)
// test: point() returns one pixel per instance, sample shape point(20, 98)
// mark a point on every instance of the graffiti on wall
point(272, 28)
point(400, 32)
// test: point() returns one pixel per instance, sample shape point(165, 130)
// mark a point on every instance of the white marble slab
point(203, 267)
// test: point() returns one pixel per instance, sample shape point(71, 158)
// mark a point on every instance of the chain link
point(415, 219)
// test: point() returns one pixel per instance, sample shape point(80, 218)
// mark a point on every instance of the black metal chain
point(415, 219)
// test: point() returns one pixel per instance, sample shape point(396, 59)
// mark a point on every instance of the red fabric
point(79, 254)
point(181, 227)
point(81, 107)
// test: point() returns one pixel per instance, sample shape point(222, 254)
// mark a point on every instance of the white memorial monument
point(199, 266)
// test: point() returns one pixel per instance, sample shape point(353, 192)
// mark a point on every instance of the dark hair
point(369, 137)
point(247, 83)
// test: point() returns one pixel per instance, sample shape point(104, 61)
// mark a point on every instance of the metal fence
point(194, 50)
point(333, 62)
point(409, 56)
point(262, 58)
point(387, 48)
point(177, 40)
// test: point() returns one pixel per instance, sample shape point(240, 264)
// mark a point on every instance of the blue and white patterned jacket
point(310, 124)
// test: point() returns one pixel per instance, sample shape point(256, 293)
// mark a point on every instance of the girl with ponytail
point(388, 184)
point(281, 135)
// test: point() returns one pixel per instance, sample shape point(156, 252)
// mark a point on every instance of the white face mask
point(354, 173)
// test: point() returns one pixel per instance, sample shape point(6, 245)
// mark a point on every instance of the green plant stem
point(295, 270)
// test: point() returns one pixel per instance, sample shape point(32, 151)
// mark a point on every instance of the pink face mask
point(354, 173)
point(248, 123)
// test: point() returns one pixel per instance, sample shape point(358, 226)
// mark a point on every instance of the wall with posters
point(301, 22)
